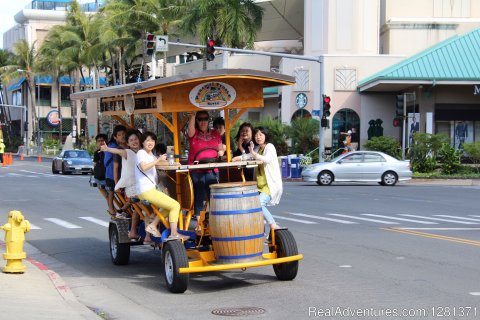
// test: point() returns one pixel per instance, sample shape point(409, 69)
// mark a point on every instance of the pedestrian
point(2, 150)
point(268, 175)
point(355, 142)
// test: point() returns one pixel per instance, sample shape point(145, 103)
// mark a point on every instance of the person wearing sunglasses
point(205, 146)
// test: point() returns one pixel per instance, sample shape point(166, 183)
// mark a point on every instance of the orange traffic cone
point(39, 159)
point(21, 156)
point(11, 158)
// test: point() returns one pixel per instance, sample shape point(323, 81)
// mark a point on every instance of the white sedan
point(359, 166)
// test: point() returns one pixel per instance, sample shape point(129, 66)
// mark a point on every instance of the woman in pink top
point(204, 144)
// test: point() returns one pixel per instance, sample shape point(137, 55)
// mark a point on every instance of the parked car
point(73, 161)
point(359, 166)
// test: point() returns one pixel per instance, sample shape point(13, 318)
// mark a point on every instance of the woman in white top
point(127, 177)
point(268, 175)
point(146, 181)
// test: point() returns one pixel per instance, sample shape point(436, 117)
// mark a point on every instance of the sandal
point(153, 231)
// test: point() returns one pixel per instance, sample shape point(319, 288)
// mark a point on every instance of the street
point(409, 250)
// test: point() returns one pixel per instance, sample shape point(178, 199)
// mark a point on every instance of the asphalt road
point(370, 251)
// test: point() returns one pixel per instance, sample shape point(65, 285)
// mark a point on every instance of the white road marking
point(46, 174)
point(295, 220)
point(97, 221)
point(34, 227)
point(475, 293)
point(63, 223)
point(360, 218)
point(321, 218)
point(399, 219)
point(437, 219)
point(440, 229)
point(345, 266)
point(456, 217)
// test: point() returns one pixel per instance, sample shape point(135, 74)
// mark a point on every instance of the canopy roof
point(454, 61)
point(174, 94)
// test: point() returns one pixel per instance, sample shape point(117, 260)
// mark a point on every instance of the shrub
point(424, 150)
point(92, 147)
point(450, 159)
point(304, 134)
point(473, 151)
point(384, 144)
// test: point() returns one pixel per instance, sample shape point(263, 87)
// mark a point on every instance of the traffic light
point(400, 101)
point(326, 106)
point(210, 50)
point(397, 121)
point(150, 43)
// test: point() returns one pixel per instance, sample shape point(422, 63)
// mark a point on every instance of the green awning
point(453, 61)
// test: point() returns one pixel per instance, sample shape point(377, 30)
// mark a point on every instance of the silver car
point(359, 166)
point(73, 161)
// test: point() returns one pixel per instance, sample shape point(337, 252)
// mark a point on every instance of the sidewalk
point(39, 293)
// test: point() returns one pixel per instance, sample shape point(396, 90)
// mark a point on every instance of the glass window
point(372, 157)
point(353, 158)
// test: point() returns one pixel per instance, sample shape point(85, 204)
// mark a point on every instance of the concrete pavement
point(39, 293)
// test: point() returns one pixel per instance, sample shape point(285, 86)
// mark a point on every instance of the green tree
point(232, 23)
point(450, 159)
point(278, 133)
point(384, 144)
point(24, 64)
point(304, 134)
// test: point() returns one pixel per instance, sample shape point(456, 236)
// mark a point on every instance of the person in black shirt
point(243, 138)
point(98, 166)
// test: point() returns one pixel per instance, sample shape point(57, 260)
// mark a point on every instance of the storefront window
point(343, 120)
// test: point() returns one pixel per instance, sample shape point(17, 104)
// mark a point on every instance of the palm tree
point(24, 64)
point(233, 23)
point(304, 133)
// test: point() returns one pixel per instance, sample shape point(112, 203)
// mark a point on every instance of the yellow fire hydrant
point(15, 230)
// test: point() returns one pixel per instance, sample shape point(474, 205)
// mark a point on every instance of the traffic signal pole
point(404, 131)
point(319, 59)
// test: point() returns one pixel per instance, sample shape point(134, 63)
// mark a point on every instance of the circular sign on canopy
point(212, 95)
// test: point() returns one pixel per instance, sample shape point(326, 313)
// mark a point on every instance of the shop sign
point(476, 90)
point(301, 100)
point(212, 95)
point(53, 118)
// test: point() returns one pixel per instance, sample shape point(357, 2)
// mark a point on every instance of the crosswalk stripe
point(399, 219)
point(45, 174)
point(474, 216)
point(34, 227)
point(437, 219)
point(360, 218)
point(456, 217)
point(62, 223)
point(295, 220)
point(321, 218)
point(96, 221)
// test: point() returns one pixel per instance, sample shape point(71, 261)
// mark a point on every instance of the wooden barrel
point(236, 222)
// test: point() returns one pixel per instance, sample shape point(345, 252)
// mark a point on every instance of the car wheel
point(174, 258)
point(54, 171)
point(64, 170)
point(389, 178)
point(325, 178)
point(119, 252)
point(286, 246)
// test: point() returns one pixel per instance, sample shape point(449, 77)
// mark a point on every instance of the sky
point(8, 9)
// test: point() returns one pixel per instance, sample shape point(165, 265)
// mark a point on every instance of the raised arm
point(120, 152)
point(191, 126)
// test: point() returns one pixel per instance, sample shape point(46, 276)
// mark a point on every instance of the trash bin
point(295, 170)
point(285, 167)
